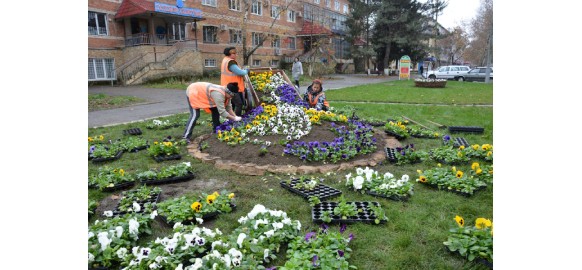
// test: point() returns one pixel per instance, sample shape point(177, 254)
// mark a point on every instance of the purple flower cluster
point(246, 119)
point(288, 95)
point(355, 140)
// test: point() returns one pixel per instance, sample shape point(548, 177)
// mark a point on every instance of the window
point(209, 34)
point(209, 62)
point(257, 39)
point(211, 3)
point(346, 8)
point(234, 5)
point(97, 24)
point(454, 68)
point(444, 69)
point(336, 5)
point(274, 63)
point(316, 2)
point(235, 36)
point(257, 7)
point(256, 63)
point(328, 3)
point(178, 31)
point(101, 69)
point(276, 43)
point(290, 16)
point(275, 12)
point(291, 43)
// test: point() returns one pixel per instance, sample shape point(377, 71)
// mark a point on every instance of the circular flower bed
point(430, 83)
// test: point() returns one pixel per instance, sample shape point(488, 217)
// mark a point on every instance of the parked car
point(449, 73)
point(478, 74)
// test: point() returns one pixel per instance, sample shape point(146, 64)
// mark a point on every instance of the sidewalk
point(164, 102)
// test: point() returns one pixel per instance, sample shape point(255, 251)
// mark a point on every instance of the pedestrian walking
point(296, 71)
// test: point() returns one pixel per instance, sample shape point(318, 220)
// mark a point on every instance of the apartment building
point(132, 41)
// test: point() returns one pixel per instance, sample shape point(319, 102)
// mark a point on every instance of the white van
point(449, 72)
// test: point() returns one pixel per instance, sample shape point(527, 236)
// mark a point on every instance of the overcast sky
point(457, 11)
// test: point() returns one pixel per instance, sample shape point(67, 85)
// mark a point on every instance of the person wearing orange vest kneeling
point(230, 72)
point(210, 97)
point(315, 96)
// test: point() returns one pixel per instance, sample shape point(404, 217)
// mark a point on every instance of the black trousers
point(237, 103)
point(194, 115)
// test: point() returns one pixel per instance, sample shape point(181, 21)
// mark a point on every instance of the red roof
point(359, 42)
point(134, 7)
point(310, 29)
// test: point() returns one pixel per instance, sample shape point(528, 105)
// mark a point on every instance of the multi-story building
point(132, 41)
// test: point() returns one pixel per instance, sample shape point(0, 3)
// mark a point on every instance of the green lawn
point(414, 235)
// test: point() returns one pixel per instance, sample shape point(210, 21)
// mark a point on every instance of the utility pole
point(489, 45)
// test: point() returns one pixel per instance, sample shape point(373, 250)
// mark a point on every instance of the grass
point(105, 102)
point(413, 236)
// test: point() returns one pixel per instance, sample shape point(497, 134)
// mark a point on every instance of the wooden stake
point(416, 122)
point(437, 124)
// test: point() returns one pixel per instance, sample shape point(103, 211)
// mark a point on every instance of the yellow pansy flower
point(422, 179)
point(460, 221)
point(231, 195)
point(459, 174)
point(475, 165)
point(482, 223)
point(196, 206)
point(210, 199)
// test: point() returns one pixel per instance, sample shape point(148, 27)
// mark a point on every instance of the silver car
point(449, 72)
point(478, 74)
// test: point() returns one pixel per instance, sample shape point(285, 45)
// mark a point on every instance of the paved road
point(164, 102)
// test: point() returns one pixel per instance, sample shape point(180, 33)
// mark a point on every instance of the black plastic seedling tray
point(467, 129)
point(365, 216)
point(458, 141)
point(321, 191)
point(175, 179)
point(132, 131)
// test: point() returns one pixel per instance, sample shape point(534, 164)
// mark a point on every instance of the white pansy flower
point(119, 231)
point(199, 220)
point(121, 253)
point(154, 214)
point(104, 240)
point(179, 267)
point(388, 175)
point(265, 254)
point(240, 239)
point(91, 234)
point(177, 225)
point(358, 181)
point(133, 226)
point(108, 213)
point(270, 233)
point(136, 207)
point(91, 257)
point(405, 177)
point(278, 225)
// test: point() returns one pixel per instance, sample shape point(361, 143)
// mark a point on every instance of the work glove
point(237, 118)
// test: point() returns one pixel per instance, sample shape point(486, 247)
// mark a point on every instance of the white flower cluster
point(430, 80)
point(367, 176)
point(276, 81)
point(291, 121)
point(157, 122)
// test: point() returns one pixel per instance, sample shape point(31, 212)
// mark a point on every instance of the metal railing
point(150, 39)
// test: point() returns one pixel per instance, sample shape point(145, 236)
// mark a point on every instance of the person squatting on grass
point(214, 99)
point(230, 72)
point(316, 97)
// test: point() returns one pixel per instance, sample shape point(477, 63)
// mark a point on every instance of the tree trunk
point(386, 60)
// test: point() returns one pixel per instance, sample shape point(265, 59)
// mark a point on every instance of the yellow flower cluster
point(485, 147)
point(480, 223)
point(260, 79)
point(96, 138)
point(315, 116)
point(398, 124)
point(271, 110)
point(231, 137)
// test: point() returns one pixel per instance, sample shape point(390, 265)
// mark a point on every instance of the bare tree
point(454, 44)
point(272, 32)
point(480, 34)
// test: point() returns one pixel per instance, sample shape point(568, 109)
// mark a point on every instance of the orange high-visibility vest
point(313, 101)
point(200, 98)
point(227, 76)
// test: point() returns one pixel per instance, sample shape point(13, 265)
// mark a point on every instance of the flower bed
point(385, 186)
point(430, 83)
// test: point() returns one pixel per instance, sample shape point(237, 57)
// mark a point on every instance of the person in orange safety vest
point(210, 97)
point(231, 72)
point(315, 96)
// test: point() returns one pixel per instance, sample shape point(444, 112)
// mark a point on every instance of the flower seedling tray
point(139, 148)
point(119, 186)
point(132, 131)
point(391, 197)
point(465, 194)
point(154, 198)
point(398, 137)
point(467, 129)
point(321, 191)
point(391, 154)
point(175, 179)
point(458, 141)
point(116, 157)
point(477, 259)
point(365, 216)
point(167, 157)
point(206, 217)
